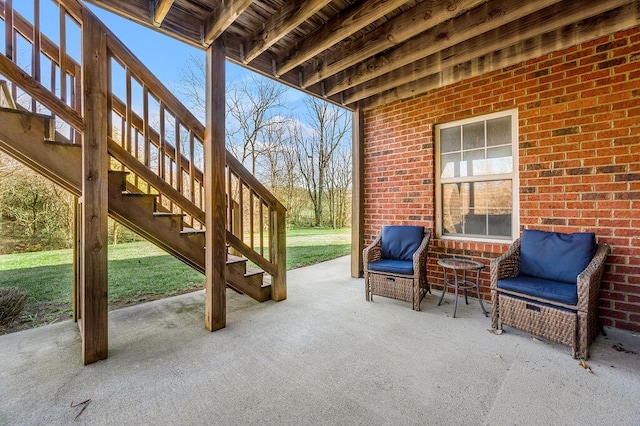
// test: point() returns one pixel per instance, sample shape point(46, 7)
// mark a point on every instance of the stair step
point(192, 231)
point(168, 214)
point(63, 143)
point(231, 259)
point(254, 272)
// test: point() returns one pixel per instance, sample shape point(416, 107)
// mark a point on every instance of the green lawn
point(140, 269)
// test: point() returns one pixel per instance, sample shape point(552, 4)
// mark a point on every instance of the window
point(476, 195)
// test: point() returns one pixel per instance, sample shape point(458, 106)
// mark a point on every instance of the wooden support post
point(77, 230)
point(279, 281)
point(215, 197)
point(357, 193)
point(95, 163)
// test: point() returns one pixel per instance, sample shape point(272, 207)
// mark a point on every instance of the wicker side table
point(459, 266)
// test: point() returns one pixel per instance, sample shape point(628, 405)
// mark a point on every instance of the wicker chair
point(395, 264)
point(570, 320)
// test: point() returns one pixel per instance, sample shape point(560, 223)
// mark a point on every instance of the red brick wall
point(579, 157)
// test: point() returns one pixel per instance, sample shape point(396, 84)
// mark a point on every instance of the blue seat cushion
point(556, 291)
point(403, 267)
point(555, 256)
point(401, 242)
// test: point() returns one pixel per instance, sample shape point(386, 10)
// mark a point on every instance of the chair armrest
point(505, 265)
point(420, 255)
point(372, 252)
point(589, 280)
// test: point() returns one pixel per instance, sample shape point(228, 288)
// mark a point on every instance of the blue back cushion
point(400, 242)
point(555, 256)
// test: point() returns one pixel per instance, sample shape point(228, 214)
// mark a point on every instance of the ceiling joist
point(223, 15)
point(292, 14)
point(401, 28)
point(342, 26)
point(159, 10)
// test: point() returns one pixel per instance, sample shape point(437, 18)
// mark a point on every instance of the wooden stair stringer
point(22, 136)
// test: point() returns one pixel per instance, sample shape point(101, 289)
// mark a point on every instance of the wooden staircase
point(28, 138)
point(112, 112)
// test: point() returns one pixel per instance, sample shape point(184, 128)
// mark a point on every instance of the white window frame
point(515, 213)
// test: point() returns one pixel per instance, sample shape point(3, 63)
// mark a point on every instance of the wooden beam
point(159, 11)
point(95, 185)
point(399, 29)
point(215, 196)
point(573, 34)
point(279, 244)
point(447, 34)
point(224, 14)
point(547, 20)
point(357, 193)
point(342, 26)
point(292, 14)
point(181, 25)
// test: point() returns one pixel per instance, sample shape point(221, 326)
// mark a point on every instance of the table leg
point(455, 304)
point(464, 282)
point(444, 289)
point(484, 311)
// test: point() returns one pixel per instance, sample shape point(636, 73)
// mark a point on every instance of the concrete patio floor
point(323, 356)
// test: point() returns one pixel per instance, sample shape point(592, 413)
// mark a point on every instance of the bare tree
point(329, 126)
point(254, 107)
point(339, 176)
point(192, 85)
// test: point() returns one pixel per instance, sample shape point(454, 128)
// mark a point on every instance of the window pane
point(500, 160)
point(499, 131)
point(475, 223)
point(450, 165)
point(499, 207)
point(473, 135)
point(451, 209)
point(472, 163)
point(477, 208)
point(450, 139)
